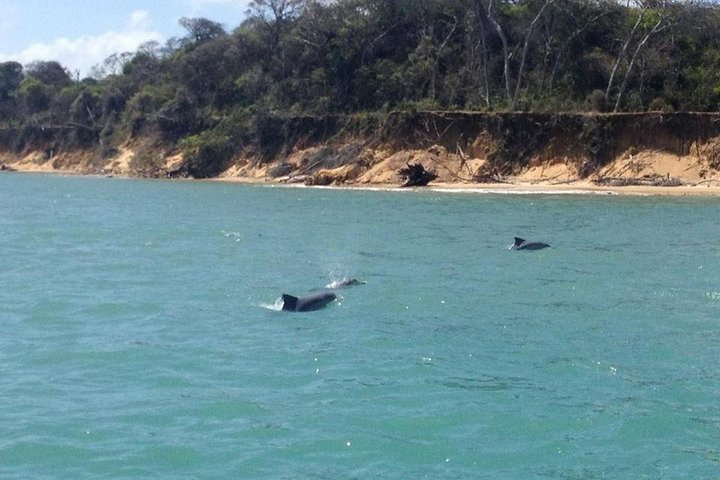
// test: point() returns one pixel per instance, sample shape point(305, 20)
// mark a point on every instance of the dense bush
point(207, 153)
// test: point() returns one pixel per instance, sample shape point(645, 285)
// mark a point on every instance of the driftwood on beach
point(652, 181)
point(5, 168)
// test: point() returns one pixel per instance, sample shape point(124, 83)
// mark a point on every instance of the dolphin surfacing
point(314, 301)
point(522, 244)
point(346, 282)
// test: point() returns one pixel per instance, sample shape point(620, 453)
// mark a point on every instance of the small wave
point(234, 235)
point(529, 190)
point(490, 383)
point(521, 191)
point(713, 295)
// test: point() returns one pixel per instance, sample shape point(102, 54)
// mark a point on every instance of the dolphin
point(522, 244)
point(313, 301)
point(346, 282)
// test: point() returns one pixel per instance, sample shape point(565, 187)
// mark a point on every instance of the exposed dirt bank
point(647, 153)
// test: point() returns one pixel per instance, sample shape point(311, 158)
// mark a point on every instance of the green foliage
point(141, 110)
point(200, 30)
point(34, 94)
point(177, 117)
point(599, 139)
point(85, 109)
point(704, 80)
point(660, 105)
point(207, 153)
point(143, 65)
point(596, 101)
point(10, 79)
point(51, 74)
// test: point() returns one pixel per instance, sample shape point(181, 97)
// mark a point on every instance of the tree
point(35, 94)
point(143, 65)
point(112, 65)
point(209, 71)
point(276, 12)
point(178, 117)
point(438, 56)
point(274, 16)
point(692, 80)
point(478, 51)
point(85, 109)
point(528, 36)
point(575, 21)
point(200, 30)
point(492, 17)
point(11, 75)
point(49, 73)
point(664, 15)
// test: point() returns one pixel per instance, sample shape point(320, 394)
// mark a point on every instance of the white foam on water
point(276, 307)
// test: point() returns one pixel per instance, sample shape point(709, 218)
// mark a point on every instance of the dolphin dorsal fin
point(289, 302)
point(519, 240)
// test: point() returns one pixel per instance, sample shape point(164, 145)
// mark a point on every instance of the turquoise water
point(140, 337)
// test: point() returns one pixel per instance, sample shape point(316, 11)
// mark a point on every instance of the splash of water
point(276, 307)
point(344, 282)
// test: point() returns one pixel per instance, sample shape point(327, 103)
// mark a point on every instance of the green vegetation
point(214, 93)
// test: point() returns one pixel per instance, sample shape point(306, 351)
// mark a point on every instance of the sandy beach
point(636, 170)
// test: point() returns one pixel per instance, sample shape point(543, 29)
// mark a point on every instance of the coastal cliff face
point(461, 147)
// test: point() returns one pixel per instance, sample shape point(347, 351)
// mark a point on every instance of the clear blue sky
point(82, 33)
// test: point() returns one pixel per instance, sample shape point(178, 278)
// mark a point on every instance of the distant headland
point(600, 95)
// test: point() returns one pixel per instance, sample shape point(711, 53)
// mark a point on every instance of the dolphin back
point(534, 246)
point(522, 244)
point(308, 303)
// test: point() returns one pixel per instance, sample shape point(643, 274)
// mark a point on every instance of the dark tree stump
point(416, 175)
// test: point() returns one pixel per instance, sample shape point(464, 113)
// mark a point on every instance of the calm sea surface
point(140, 335)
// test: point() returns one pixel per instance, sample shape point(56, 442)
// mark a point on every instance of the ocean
point(141, 335)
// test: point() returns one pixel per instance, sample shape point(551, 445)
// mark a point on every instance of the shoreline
point(511, 187)
point(504, 188)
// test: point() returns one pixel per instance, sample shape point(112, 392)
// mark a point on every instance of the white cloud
point(81, 54)
point(238, 2)
point(139, 20)
point(199, 4)
point(9, 14)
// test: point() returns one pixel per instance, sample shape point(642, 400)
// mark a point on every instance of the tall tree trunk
point(436, 62)
point(481, 16)
point(521, 68)
point(506, 54)
point(547, 52)
point(621, 56)
point(566, 44)
point(657, 28)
